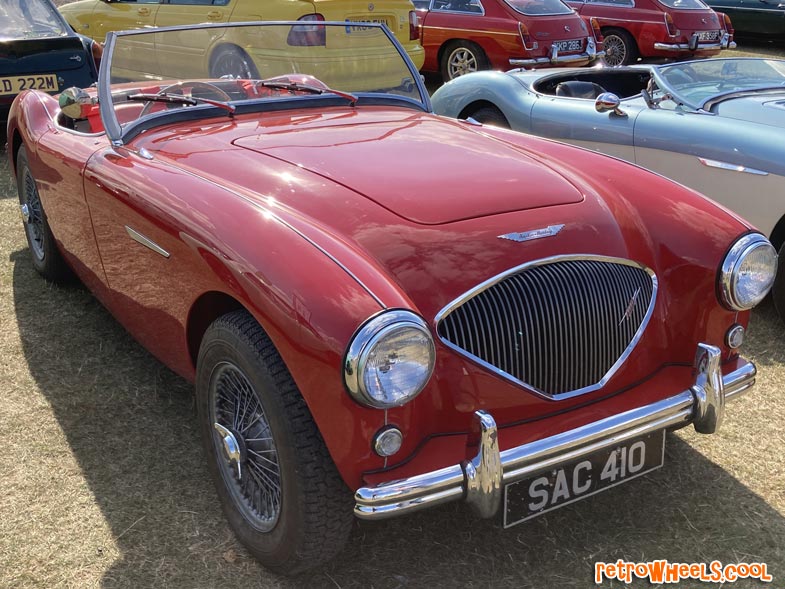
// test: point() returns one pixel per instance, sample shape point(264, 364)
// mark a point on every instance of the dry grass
point(103, 481)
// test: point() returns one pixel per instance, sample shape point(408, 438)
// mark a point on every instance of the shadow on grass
point(130, 424)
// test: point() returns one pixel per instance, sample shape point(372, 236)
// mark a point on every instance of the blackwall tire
point(287, 504)
point(460, 58)
point(620, 48)
point(44, 254)
point(492, 116)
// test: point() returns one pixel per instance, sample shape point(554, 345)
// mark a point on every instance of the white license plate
point(355, 24)
point(572, 45)
point(708, 35)
point(16, 84)
point(582, 478)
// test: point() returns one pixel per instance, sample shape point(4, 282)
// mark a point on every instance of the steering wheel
point(217, 93)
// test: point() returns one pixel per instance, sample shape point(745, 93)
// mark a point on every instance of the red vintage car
point(383, 310)
point(463, 36)
point(657, 28)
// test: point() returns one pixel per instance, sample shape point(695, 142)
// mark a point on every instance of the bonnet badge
point(371, 7)
point(548, 231)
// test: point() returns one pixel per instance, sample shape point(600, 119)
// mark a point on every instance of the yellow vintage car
point(97, 17)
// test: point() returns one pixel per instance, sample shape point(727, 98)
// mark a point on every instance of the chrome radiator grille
point(561, 326)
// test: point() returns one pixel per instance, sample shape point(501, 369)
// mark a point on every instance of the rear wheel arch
point(482, 106)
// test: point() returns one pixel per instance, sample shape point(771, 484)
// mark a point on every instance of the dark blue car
point(38, 50)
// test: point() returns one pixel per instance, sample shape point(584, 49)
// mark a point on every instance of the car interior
point(592, 83)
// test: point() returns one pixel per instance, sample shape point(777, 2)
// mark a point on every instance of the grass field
point(104, 483)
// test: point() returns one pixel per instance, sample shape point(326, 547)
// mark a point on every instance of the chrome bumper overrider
point(695, 45)
point(554, 58)
point(480, 481)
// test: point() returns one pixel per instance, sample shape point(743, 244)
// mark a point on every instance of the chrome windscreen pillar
point(484, 472)
point(708, 390)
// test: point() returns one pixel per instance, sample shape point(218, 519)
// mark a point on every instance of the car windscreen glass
point(698, 81)
point(535, 7)
point(684, 4)
point(29, 19)
point(155, 72)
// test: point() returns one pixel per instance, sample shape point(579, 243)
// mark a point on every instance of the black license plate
point(708, 35)
point(582, 478)
point(573, 45)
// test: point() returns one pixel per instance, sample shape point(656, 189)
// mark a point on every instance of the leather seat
point(579, 89)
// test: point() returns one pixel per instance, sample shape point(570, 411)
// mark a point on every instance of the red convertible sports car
point(372, 326)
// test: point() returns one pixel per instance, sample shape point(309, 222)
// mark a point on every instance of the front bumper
point(480, 481)
point(695, 45)
point(554, 58)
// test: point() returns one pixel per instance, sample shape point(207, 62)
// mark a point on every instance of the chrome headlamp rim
point(728, 278)
point(363, 341)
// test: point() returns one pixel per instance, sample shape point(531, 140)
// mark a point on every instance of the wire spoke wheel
point(252, 472)
point(33, 216)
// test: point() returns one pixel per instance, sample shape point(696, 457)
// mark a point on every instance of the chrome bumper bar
point(480, 481)
point(694, 45)
point(554, 58)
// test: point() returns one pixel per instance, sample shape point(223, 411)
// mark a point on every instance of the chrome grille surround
point(557, 312)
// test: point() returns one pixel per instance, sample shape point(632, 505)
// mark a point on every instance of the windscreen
point(698, 81)
point(684, 4)
point(161, 70)
point(29, 19)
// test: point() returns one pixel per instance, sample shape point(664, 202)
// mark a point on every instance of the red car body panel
point(645, 21)
point(497, 32)
point(242, 200)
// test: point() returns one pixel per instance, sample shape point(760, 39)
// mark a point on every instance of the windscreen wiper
point(180, 99)
point(297, 87)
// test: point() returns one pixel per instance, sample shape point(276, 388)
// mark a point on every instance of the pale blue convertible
point(715, 125)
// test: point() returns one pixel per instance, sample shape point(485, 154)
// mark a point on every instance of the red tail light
point(528, 42)
point(672, 30)
point(308, 35)
point(414, 26)
point(595, 26)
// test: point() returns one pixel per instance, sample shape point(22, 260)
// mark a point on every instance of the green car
point(758, 18)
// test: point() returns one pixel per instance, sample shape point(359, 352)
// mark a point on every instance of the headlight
point(747, 272)
point(389, 360)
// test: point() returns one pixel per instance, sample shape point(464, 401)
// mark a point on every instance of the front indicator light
point(735, 336)
point(390, 360)
point(387, 441)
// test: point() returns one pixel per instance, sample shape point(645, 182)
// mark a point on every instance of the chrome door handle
point(215, 15)
point(143, 11)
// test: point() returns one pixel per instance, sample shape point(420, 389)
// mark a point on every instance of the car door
point(576, 121)
point(121, 15)
point(178, 49)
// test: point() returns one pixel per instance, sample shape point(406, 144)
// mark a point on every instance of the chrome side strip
point(148, 243)
point(480, 481)
point(730, 167)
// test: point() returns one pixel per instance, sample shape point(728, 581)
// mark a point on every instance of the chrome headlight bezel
point(362, 344)
point(731, 266)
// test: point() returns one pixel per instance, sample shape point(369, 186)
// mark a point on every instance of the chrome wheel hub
point(233, 450)
point(26, 214)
